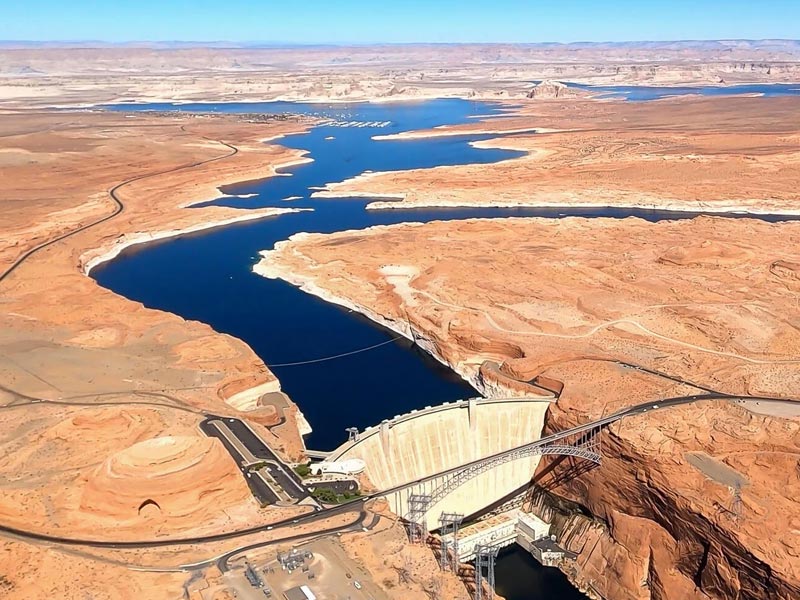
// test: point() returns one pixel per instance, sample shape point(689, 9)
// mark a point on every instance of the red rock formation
point(549, 89)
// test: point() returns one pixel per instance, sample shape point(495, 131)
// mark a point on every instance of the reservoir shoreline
point(326, 398)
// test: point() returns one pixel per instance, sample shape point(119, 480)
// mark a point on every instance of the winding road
point(119, 206)
point(639, 409)
point(358, 506)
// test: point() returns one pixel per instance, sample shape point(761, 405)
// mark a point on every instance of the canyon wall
point(697, 501)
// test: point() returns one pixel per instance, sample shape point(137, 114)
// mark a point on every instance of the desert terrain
point(711, 301)
point(100, 397)
point(40, 75)
point(684, 154)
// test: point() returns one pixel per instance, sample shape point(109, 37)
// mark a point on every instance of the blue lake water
point(642, 93)
point(207, 276)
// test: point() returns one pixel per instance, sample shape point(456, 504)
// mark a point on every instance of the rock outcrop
point(639, 536)
point(551, 90)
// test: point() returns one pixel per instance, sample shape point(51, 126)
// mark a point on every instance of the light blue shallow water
point(643, 93)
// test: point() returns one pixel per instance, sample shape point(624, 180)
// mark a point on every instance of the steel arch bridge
point(585, 445)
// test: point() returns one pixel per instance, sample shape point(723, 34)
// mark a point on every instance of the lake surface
point(207, 276)
point(642, 93)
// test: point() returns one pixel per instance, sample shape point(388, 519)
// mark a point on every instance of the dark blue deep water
point(519, 577)
point(207, 276)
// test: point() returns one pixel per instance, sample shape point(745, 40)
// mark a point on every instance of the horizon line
point(232, 43)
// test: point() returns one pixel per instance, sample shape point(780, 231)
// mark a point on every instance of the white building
point(351, 466)
point(299, 593)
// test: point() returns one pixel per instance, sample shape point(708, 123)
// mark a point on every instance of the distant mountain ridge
point(91, 72)
point(793, 44)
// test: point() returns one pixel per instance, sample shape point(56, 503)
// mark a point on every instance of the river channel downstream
point(208, 277)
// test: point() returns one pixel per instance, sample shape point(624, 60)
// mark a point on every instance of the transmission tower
point(418, 505)
point(448, 523)
point(485, 556)
point(736, 501)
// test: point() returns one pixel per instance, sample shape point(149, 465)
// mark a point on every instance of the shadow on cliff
point(559, 471)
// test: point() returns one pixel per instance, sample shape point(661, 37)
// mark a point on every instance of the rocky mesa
point(100, 398)
point(692, 502)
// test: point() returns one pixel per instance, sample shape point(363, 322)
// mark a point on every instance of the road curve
point(216, 537)
point(358, 504)
point(222, 561)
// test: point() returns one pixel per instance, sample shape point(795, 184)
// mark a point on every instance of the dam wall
point(423, 443)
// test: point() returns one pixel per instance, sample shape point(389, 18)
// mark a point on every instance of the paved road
point(355, 525)
point(162, 543)
point(246, 458)
point(358, 504)
point(638, 409)
point(667, 376)
point(254, 449)
point(283, 474)
point(259, 486)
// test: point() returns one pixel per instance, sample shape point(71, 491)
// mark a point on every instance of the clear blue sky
point(359, 21)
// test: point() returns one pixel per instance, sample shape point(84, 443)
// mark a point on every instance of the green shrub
point(303, 470)
point(325, 495)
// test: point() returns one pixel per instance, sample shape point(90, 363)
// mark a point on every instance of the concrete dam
point(430, 441)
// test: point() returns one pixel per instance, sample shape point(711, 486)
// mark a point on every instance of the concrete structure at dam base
point(513, 526)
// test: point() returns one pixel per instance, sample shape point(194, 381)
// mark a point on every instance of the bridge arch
point(588, 451)
point(424, 500)
point(421, 444)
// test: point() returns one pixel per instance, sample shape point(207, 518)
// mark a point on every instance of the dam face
point(425, 442)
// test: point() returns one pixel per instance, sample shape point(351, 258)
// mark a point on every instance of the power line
point(342, 355)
